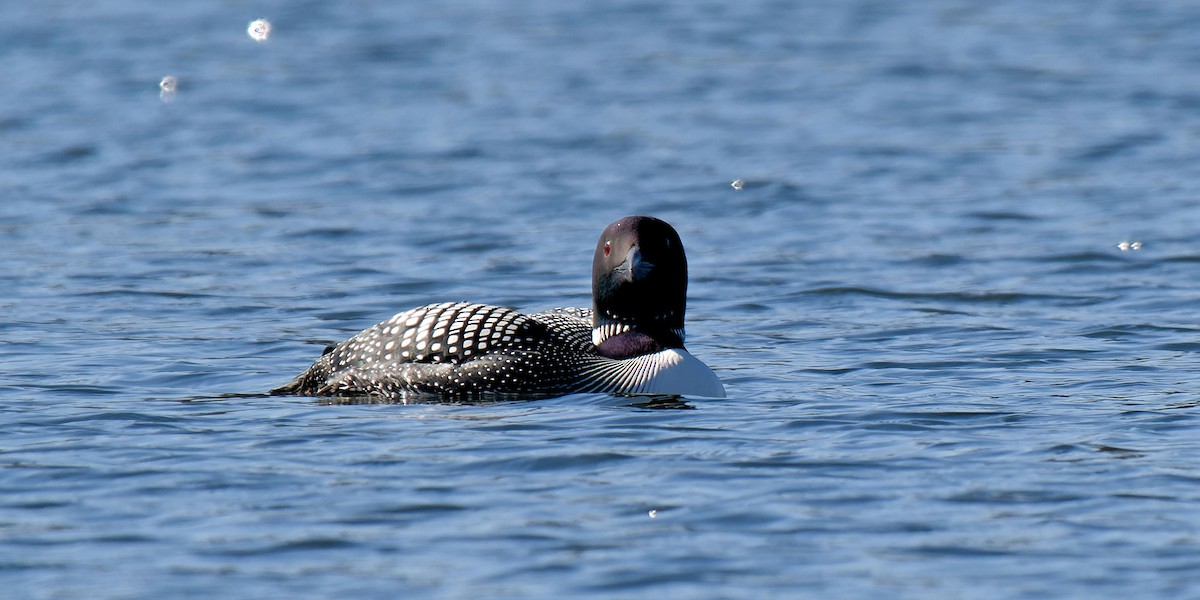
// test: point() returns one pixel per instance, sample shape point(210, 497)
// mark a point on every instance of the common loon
point(629, 342)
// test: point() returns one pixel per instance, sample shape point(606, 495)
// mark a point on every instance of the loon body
point(629, 342)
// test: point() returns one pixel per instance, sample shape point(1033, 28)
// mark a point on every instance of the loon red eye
point(607, 248)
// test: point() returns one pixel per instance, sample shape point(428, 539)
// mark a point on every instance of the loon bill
point(629, 342)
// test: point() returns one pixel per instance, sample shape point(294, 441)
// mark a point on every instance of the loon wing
point(452, 348)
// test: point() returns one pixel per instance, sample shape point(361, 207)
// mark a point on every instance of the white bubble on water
point(737, 184)
point(166, 88)
point(259, 30)
point(1126, 246)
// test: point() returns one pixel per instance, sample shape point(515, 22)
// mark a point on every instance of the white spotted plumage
point(545, 353)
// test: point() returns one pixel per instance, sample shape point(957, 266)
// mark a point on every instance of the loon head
point(639, 288)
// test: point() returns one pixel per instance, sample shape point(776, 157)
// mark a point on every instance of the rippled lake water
point(952, 372)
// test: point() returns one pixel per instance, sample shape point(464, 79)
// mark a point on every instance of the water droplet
point(737, 184)
point(167, 87)
point(259, 30)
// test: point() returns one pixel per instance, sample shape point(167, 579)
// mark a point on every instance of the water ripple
point(951, 297)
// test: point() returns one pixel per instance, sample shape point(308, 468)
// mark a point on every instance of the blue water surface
point(954, 303)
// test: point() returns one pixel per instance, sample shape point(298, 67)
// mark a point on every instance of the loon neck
point(616, 338)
